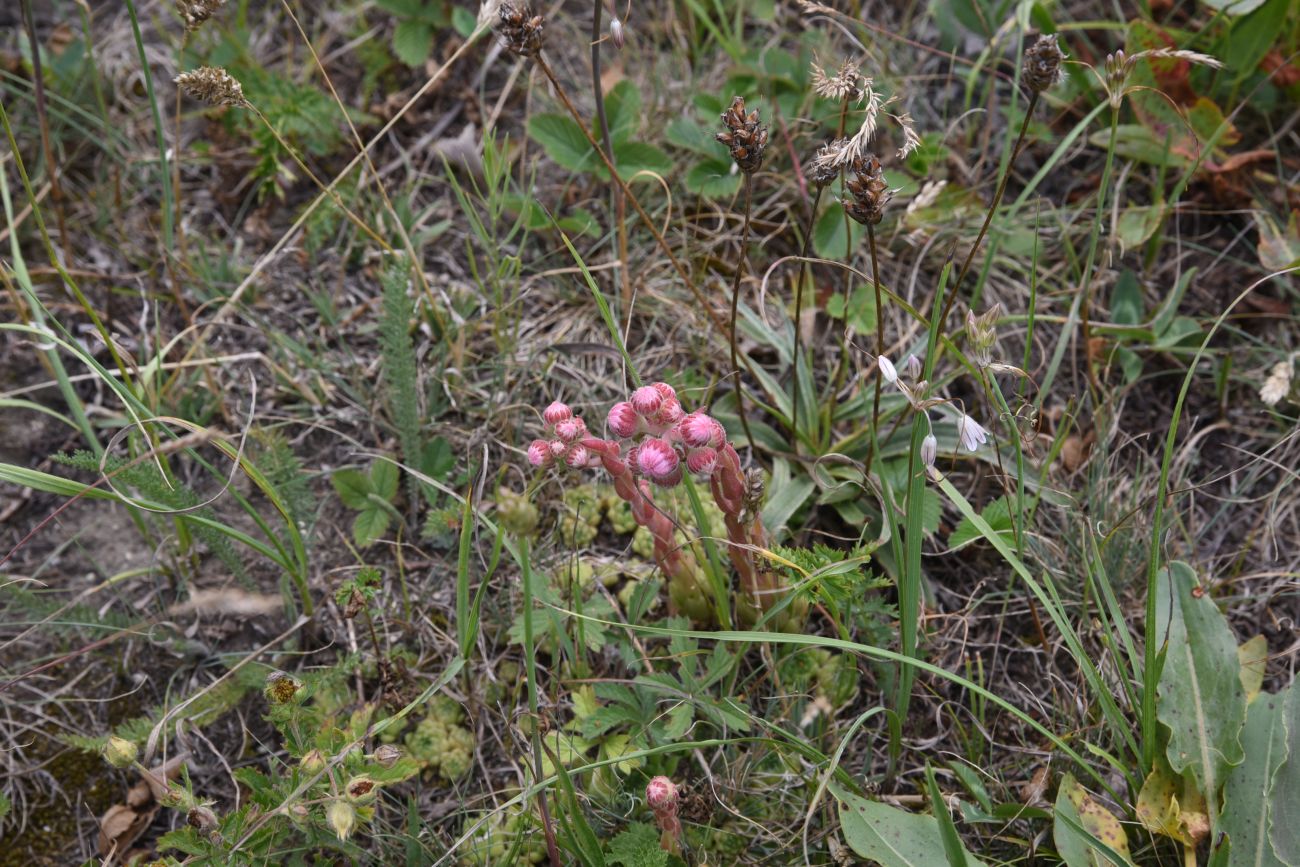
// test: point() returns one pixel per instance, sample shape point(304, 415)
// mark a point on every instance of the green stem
point(798, 318)
point(735, 307)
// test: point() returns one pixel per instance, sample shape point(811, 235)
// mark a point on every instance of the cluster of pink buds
point(661, 797)
point(567, 433)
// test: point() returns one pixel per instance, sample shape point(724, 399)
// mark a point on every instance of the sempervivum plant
point(655, 444)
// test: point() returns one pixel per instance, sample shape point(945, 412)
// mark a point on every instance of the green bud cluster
point(819, 671)
point(440, 743)
point(516, 512)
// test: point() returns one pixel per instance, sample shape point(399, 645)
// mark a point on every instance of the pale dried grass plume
point(213, 85)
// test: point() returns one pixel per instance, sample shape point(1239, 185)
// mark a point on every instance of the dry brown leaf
point(121, 825)
point(232, 601)
point(1074, 451)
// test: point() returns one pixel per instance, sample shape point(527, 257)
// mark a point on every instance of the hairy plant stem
point(993, 208)
point(735, 307)
point(798, 318)
point(880, 337)
point(620, 207)
point(622, 185)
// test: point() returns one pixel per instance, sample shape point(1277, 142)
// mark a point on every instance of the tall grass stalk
point(798, 318)
point(741, 261)
point(530, 667)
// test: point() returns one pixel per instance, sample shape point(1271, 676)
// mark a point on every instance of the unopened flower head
point(701, 461)
point(570, 430)
point(387, 755)
point(929, 450)
point(1042, 66)
point(745, 137)
point(623, 420)
point(119, 752)
point(661, 794)
point(658, 460)
point(646, 400)
point(213, 85)
point(520, 30)
point(196, 12)
point(699, 430)
point(342, 817)
point(556, 413)
point(1278, 384)
point(887, 369)
point(982, 332)
point(617, 34)
point(539, 453)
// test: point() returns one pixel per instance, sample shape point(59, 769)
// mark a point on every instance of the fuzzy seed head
point(213, 85)
point(195, 12)
point(520, 30)
point(623, 420)
point(556, 413)
point(342, 817)
point(1278, 383)
point(387, 755)
point(539, 453)
point(1042, 66)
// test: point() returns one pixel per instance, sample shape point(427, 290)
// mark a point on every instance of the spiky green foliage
point(399, 370)
point(282, 467)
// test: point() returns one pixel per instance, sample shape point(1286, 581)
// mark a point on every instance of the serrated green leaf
point(412, 42)
point(353, 487)
point(369, 526)
point(623, 111)
point(713, 179)
point(1248, 792)
point(893, 837)
point(691, 135)
point(383, 478)
point(1200, 698)
point(563, 141)
point(830, 233)
point(631, 158)
point(1076, 808)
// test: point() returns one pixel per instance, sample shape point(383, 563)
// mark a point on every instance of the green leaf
point(353, 487)
point(1136, 225)
point(437, 459)
point(1234, 7)
point(464, 21)
point(1253, 655)
point(1248, 792)
point(829, 234)
point(1133, 141)
point(623, 112)
point(1200, 696)
point(786, 496)
point(369, 526)
point(691, 135)
point(713, 179)
point(998, 516)
point(1284, 824)
point(383, 478)
point(638, 846)
point(563, 141)
point(400, 8)
point(1076, 808)
point(891, 836)
point(861, 308)
point(1126, 307)
point(631, 157)
point(412, 42)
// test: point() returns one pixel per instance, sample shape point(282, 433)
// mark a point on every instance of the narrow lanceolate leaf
point(1085, 832)
point(1254, 656)
point(1284, 823)
point(1201, 699)
point(893, 837)
point(1248, 792)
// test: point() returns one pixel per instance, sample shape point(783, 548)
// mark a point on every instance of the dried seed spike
point(520, 30)
point(869, 193)
point(195, 12)
point(213, 85)
point(744, 136)
point(1042, 66)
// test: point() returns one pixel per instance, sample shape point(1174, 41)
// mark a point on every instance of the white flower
point(887, 369)
point(1278, 384)
point(971, 433)
point(929, 450)
point(913, 366)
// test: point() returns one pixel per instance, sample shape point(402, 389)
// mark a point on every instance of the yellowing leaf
point(1253, 655)
point(1077, 808)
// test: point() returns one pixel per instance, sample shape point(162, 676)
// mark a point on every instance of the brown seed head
point(868, 191)
point(1043, 63)
point(213, 85)
point(195, 12)
point(745, 136)
point(826, 163)
point(520, 30)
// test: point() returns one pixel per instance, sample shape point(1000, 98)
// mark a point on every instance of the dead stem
point(735, 306)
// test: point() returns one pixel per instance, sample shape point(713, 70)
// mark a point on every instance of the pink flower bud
point(671, 480)
point(571, 429)
point(577, 457)
point(646, 400)
point(616, 33)
point(666, 391)
point(557, 448)
point(701, 431)
point(539, 453)
point(657, 459)
point(661, 795)
point(670, 412)
point(556, 413)
point(701, 461)
point(623, 420)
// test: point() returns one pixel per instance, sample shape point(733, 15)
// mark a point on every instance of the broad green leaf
point(1247, 794)
point(623, 112)
point(830, 233)
point(1077, 808)
point(1253, 656)
point(1133, 141)
point(383, 479)
point(998, 516)
point(1126, 306)
point(1252, 36)
point(713, 179)
point(1200, 696)
point(413, 42)
point(563, 141)
point(861, 309)
point(893, 837)
point(787, 495)
point(437, 458)
point(1137, 224)
point(1284, 824)
point(353, 487)
point(634, 157)
point(688, 134)
point(369, 526)
point(1234, 7)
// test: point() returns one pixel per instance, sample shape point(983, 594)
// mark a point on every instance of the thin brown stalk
point(798, 318)
point(620, 207)
point(42, 117)
point(988, 217)
point(880, 339)
point(735, 307)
